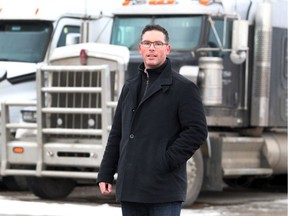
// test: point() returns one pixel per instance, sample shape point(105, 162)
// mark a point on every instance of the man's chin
point(152, 64)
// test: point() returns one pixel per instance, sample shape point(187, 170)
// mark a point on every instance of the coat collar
point(163, 82)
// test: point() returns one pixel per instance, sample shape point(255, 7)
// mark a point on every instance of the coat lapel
point(132, 85)
point(162, 83)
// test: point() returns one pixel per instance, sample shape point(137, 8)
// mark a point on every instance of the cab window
point(66, 30)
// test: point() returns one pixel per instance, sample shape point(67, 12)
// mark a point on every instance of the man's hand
point(105, 188)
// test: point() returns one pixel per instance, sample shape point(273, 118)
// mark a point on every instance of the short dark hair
point(156, 27)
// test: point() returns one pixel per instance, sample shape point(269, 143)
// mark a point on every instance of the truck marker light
point(83, 57)
point(126, 2)
point(170, 2)
point(36, 11)
point(18, 150)
point(150, 2)
point(204, 2)
point(160, 2)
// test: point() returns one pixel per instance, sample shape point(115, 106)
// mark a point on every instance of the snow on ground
point(31, 208)
point(16, 207)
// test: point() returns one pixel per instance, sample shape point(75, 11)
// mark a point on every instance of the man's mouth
point(151, 56)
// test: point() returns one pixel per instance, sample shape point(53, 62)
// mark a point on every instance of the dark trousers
point(151, 209)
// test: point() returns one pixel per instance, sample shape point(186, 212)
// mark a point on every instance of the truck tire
point(15, 183)
point(195, 173)
point(51, 188)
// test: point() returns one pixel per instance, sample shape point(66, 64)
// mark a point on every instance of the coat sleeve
point(193, 126)
point(109, 163)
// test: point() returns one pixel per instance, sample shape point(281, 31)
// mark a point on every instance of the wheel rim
point(191, 172)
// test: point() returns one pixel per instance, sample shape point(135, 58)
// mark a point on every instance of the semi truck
point(236, 52)
point(30, 31)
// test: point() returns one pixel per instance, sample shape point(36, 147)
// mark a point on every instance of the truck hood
point(10, 70)
point(17, 81)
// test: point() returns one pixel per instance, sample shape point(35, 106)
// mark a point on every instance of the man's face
point(153, 57)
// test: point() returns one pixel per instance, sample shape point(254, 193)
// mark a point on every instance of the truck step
point(247, 171)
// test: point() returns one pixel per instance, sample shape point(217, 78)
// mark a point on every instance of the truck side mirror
point(239, 41)
point(72, 38)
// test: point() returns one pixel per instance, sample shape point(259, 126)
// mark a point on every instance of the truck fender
point(206, 148)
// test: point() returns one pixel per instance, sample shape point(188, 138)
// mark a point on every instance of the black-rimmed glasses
point(156, 44)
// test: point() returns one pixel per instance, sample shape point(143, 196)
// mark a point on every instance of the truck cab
point(230, 49)
point(29, 34)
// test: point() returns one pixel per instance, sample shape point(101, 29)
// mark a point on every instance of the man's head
point(154, 46)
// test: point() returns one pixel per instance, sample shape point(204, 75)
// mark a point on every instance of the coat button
point(133, 110)
point(131, 136)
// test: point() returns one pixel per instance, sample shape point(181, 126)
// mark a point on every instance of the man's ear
point(168, 49)
point(139, 47)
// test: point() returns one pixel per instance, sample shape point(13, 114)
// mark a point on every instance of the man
point(159, 123)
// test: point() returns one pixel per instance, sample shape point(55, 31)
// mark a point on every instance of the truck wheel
point(15, 183)
point(240, 182)
point(195, 172)
point(51, 188)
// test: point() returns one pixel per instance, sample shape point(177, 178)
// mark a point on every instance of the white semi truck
point(30, 31)
point(236, 52)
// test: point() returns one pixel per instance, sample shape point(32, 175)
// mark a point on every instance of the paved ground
point(230, 202)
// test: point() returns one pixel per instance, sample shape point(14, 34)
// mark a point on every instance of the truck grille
point(72, 103)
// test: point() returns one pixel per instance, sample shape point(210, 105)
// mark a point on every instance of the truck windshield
point(184, 31)
point(25, 41)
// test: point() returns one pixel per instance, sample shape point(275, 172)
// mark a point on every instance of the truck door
point(63, 27)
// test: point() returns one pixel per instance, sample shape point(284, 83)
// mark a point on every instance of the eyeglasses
point(156, 44)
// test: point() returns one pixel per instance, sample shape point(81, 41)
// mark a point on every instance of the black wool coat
point(149, 144)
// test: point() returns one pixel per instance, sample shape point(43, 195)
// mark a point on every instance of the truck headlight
point(29, 115)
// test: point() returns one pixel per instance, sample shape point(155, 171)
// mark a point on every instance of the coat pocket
point(163, 166)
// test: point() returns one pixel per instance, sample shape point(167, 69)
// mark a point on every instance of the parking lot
point(87, 201)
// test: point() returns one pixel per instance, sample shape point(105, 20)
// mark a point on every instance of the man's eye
point(158, 43)
point(146, 43)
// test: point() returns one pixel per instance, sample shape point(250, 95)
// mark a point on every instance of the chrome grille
point(72, 105)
